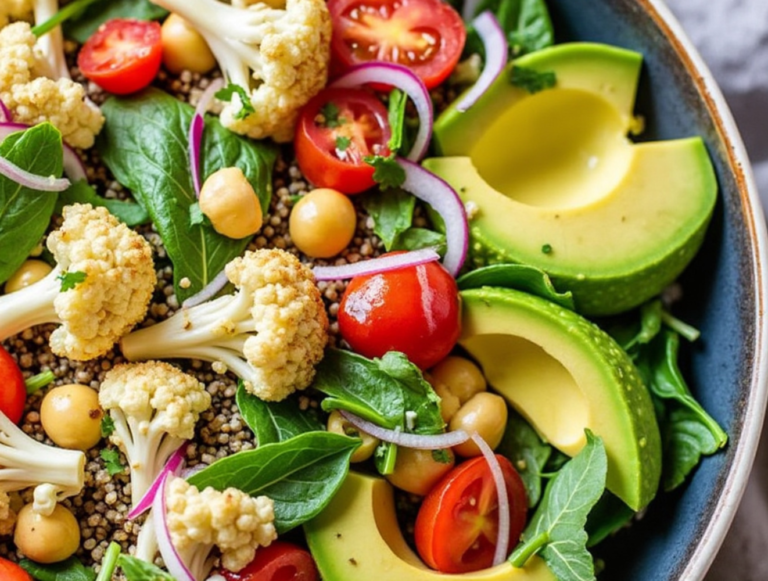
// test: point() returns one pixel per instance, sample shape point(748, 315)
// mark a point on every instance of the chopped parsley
point(330, 113)
point(387, 172)
point(230, 91)
point(107, 426)
point(70, 280)
point(342, 143)
point(531, 80)
point(112, 462)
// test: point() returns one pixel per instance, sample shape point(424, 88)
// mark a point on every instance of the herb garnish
point(112, 462)
point(107, 426)
point(531, 80)
point(343, 142)
point(387, 172)
point(230, 91)
point(70, 280)
point(330, 112)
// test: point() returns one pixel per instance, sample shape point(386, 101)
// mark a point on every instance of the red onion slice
point(495, 45)
point(436, 442)
point(376, 265)
point(5, 113)
point(404, 79)
point(208, 292)
point(196, 131)
point(30, 180)
point(73, 165)
point(436, 192)
point(502, 539)
point(173, 466)
point(173, 561)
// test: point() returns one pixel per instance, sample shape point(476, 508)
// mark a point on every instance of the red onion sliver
point(73, 165)
point(30, 180)
point(5, 113)
point(404, 79)
point(502, 539)
point(208, 292)
point(495, 44)
point(469, 9)
point(173, 561)
point(376, 265)
point(196, 131)
point(173, 466)
point(436, 192)
point(436, 442)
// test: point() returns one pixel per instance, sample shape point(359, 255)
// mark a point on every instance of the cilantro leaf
point(330, 112)
point(112, 462)
point(387, 172)
point(70, 280)
point(531, 80)
point(107, 426)
point(342, 143)
point(230, 91)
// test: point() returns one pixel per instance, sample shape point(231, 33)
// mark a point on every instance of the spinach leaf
point(532, 80)
point(608, 516)
point(70, 570)
point(81, 27)
point(25, 213)
point(130, 213)
point(137, 570)
point(520, 277)
point(526, 23)
point(417, 238)
point(392, 213)
point(274, 421)
point(527, 452)
point(379, 390)
point(301, 474)
point(556, 531)
point(144, 144)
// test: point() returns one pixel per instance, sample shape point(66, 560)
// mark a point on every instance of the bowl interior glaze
point(723, 292)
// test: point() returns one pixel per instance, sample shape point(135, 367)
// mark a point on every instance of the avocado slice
point(559, 186)
point(357, 537)
point(564, 374)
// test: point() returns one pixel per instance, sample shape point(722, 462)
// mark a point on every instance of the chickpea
point(71, 416)
point(417, 471)
point(449, 403)
point(461, 376)
point(338, 425)
point(47, 539)
point(322, 223)
point(486, 414)
point(231, 204)
point(184, 48)
point(29, 273)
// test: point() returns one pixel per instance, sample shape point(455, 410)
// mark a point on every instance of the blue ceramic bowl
point(725, 290)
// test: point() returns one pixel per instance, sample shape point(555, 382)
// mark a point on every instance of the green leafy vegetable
point(39, 381)
point(301, 474)
point(531, 80)
point(275, 421)
point(526, 23)
point(608, 516)
point(342, 143)
point(112, 461)
point(109, 562)
point(396, 116)
point(330, 112)
point(137, 570)
point(521, 277)
point(232, 89)
point(130, 213)
point(26, 213)
point(70, 570)
point(417, 238)
point(80, 27)
point(107, 426)
point(387, 172)
point(70, 280)
point(196, 216)
point(392, 213)
point(144, 144)
point(556, 531)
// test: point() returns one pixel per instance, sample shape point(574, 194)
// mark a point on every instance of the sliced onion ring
point(5, 113)
point(436, 192)
point(208, 292)
point(436, 442)
point(496, 48)
point(469, 9)
point(196, 131)
point(404, 79)
point(376, 265)
point(30, 180)
point(73, 165)
point(173, 561)
point(502, 538)
point(174, 466)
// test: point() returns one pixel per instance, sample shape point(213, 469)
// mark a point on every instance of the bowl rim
point(752, 212)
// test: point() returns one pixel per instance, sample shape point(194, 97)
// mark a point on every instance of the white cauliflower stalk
point(98, 291)
point(270, 333)
point(155, 408)
point(278, 54)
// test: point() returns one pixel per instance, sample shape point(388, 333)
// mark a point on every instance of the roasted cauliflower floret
point(15, 10)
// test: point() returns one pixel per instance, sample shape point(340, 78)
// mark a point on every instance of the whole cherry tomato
point(123, 56)
point(12, 572)
point(425, 35)
point(13, 392)
point(415, 310)
point(457, 524)
point(337, 129)
point(280, 561)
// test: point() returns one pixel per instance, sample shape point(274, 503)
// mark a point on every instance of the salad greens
point(131, 213)
point(70, 570)
point(83, 24)
point(520, 277)
point(526, 23)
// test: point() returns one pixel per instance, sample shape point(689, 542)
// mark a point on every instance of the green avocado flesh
point(558, 185)
point(564, 374)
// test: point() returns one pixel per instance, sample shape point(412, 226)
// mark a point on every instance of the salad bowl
point(724, 289)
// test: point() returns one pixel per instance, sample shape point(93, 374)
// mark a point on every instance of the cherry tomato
point(336, 131)
point(123, 56)
point(425, 35)
point(280, 561)
point(13, 392)
point(10, 571)
point(415, 310)
point(457, 524)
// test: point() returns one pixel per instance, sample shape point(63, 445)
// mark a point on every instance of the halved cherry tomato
point(415, 310)
point(13, 392)
point(10, 571)
point(123, 56)
point(337, 129)
point(457, 524)
point(425, 35)
point(280, 561)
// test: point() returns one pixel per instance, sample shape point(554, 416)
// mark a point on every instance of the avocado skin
point(630, 398)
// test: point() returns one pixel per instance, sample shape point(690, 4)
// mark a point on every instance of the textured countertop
point(732, 36)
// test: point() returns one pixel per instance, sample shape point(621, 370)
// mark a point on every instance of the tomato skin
point(415, 310)
point(123, 56)
point(427, 36)
point(280, 561)
point(13, 392)
point(459, 515)
point(10, 571)
point(362, 119)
